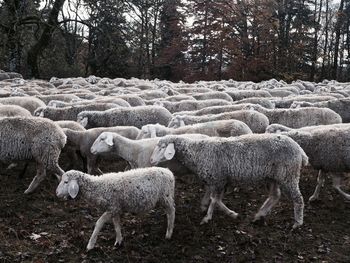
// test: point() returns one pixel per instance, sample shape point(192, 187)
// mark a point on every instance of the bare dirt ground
point(64, 227)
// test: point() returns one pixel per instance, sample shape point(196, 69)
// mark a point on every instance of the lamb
point(135, 116)
point(190, 105)
point(328, 149)
point(135, 191)
point(297, 118)
point(32, 138)
point(256, 121)
point(29, 103)
point(136, 153)
point(71, 113)
point(13, 111)
point(223, 128)
point(274, 159)
point(83, 140)
point(340, 106)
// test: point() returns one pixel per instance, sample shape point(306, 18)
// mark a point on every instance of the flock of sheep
point(223, 132)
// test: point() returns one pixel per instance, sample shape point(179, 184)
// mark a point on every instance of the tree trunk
point(338, 25)
point(36, 50)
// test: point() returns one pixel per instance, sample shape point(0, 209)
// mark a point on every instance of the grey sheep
point(286, 102)
point(35, 139)
point(135, 116)
point(71, 113)
point(297, 118)
point(256, 121)
point(264, 102)
point(190, 105)
point(29, 103)
point(328, 149)
point(83, 140)
point(273, 159)
point(340, 106)
point(212, 95)
point(222, 128)
point(13, 111)
point(62, 97)
point(278, 128)
point(135, 191)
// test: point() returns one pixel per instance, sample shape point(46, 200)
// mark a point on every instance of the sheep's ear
point(84, 121)
point(182, 123)
point(153, 132)
point(169, 151)
point(109, 139)
point(73, 188)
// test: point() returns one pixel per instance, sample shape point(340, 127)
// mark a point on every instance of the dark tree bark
point(338, 25)
point(44, 40)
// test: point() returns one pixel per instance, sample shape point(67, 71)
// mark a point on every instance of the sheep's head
point(83, 119)
point(148, 131)
point(39, 112)
point(276, 128)
point(68, 185)
point(103, 143)
point(164, 151)
point(176, 122)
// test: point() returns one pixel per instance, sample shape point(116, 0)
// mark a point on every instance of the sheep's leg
point(213, 200)
point(170, 213)
point(40, 175)
point(57, 170)
point(271, 201)
point(117, 228)
point(320, 182)
point(205, 199)
point(23, 172)
point(225, 209)
point(91, 164)
point(298, 202)
point(337, 182)
point(99, 224)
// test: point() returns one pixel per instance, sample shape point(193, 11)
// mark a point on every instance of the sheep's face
point(103, 143)
point(163, 152)
point(67, 187)
point(176, 122)
point(147, 131)
point(39, 112)
point(83, 120)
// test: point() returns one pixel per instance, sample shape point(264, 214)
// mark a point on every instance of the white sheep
point(135, 191)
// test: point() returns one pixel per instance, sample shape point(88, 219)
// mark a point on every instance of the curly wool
point(135, 116)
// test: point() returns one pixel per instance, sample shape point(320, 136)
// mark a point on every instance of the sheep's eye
point(66, 182)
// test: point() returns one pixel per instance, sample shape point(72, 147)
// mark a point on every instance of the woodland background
point(177, 39)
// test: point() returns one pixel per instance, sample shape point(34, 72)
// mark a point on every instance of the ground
point(64, 227)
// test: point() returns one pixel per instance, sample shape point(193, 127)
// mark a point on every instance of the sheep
point(212, 95)
point(135, 191)
point(340, 106)
point(32, 138)
point(243, 94)
point(13, 111)
point(297, 118)
point(275, 159)
point(83, 140)
point(62, 97)
point(223, 128)
point(328, 149)
point(266, 103)
point(214, 110)
point(61, 104)
point(29, 103)
point(256, 121)
point(286, 102)
point(135, 116)
point(278, 128)
point(190, 105)
point(70, 113)
point(136, 152)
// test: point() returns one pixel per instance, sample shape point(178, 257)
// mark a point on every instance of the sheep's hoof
point(89, 247)
point(118, 242)
point(296, 225)
point(233, 215)
point(312, 198)
point(205, 220)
